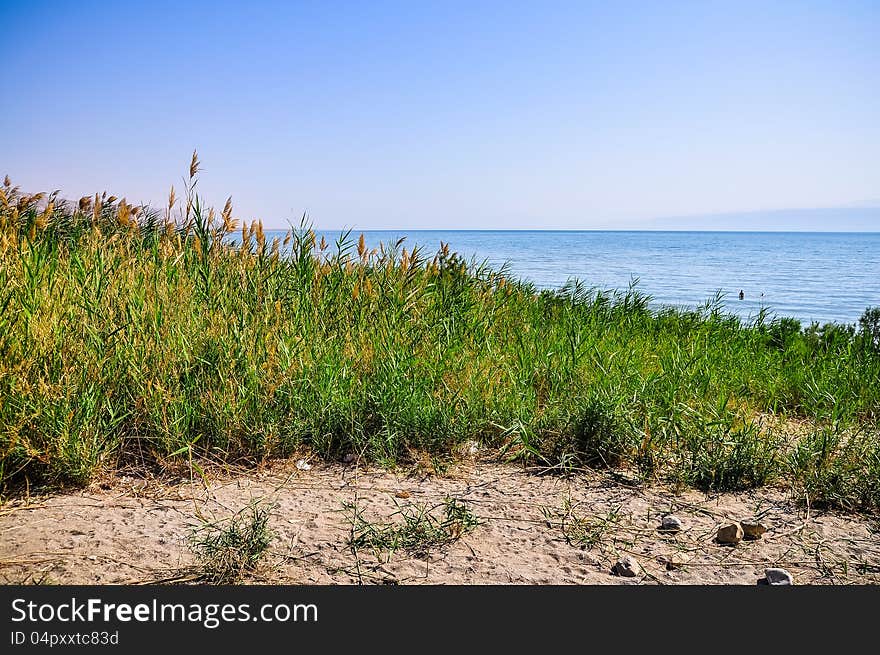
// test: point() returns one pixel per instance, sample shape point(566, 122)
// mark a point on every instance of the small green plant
point(418, 530)
point(228, 549)
point(581, 531)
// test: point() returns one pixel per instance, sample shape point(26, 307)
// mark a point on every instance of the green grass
point(132, 335)
point(415, 529)
point(583, 531)
point(228, 549)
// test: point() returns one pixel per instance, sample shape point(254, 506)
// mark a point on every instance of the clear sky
point(455, 115)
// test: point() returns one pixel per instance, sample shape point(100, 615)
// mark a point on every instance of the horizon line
point(526, 229)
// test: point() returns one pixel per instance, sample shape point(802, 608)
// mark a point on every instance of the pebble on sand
point(752, 529)
point(626, 567)
point(670, 523)
point(675, 561)
point(732, 533)
point(777, 577)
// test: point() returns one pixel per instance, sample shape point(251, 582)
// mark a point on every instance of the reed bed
point(131, 334)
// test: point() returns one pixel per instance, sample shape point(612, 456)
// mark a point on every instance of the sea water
point(810, 276)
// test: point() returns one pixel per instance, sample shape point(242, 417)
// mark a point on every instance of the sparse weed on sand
point(228, 549)
point(415, 529)
point(579, 529)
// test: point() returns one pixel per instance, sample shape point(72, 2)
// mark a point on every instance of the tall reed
point(129, 334)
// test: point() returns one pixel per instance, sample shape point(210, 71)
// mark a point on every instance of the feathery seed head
point(43, 219)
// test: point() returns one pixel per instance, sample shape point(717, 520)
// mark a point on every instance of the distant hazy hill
point(847, 219)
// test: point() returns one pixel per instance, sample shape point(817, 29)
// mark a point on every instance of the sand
point(129, 530)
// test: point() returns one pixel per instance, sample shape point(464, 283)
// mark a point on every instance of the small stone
point(752, 530)
point(303, 465)
point(626, 567)
point(674, 562)
point(778, 577)
point(732, 533)
point(670, 523)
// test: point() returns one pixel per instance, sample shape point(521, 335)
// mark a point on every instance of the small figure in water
point(741, 295)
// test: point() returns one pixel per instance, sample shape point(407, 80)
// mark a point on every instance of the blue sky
point(456, 115)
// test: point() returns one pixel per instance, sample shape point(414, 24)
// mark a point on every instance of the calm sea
point(811, 276)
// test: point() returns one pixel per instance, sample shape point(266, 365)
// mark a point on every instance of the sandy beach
point(134, 530)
